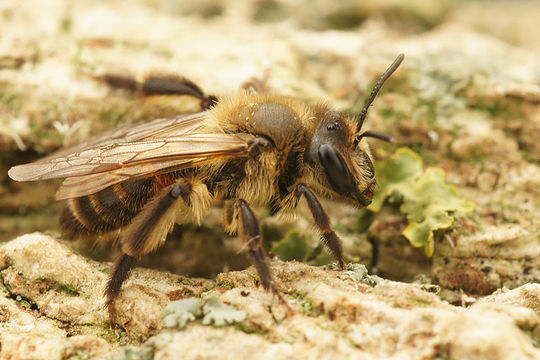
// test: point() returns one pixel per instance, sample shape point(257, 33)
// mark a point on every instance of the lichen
point(359, 273)
point(178, 313)
point(221, 314)
point(212, 312)
point(423, 194)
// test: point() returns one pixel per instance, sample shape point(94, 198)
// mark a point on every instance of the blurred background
point(466, 100)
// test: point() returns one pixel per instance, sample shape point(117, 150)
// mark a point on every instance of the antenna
point(376, 89)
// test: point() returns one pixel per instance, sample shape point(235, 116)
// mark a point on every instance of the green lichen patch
point(227, 284)
point(307, 305)
point(425, 198)
point(67, 289)
point(45, 284)
point(359, 273)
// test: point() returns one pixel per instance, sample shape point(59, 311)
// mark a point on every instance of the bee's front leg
point(328, 236)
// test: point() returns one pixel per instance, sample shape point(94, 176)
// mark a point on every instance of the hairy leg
point(160, 85)
point(147, 232)
point(242, 218)
point(328, 236)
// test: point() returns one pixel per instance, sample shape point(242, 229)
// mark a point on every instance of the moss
point(67, 289)
point(227, 284)
point(307, 305)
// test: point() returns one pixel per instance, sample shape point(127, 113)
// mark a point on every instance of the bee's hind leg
point(176, 85)
point(160, 85)
point(120, 271)
point(147, 232)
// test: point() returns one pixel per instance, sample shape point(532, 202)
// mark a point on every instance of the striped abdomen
point(109, 209)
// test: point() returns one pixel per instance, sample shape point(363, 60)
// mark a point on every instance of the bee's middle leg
point(146, 232)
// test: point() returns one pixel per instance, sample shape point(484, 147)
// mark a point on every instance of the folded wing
point(131, 151)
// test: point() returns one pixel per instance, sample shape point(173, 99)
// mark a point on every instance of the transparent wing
point(134, 150)
point(175, 126)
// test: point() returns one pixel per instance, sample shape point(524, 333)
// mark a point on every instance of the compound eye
point(336, 170)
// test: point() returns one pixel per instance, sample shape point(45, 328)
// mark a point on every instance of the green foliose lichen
point(426, 198)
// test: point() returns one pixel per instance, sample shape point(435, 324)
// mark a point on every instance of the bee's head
point(339, 163)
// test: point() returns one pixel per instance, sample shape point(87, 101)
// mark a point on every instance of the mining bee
point(255, 148)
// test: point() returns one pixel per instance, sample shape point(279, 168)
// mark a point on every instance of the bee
point(256, 148)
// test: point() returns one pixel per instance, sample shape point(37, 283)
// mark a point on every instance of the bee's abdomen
point(107, 210)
